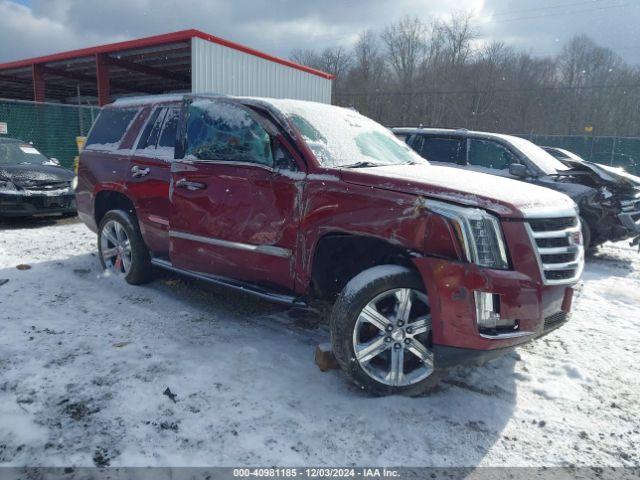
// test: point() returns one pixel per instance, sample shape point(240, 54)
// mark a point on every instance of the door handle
point(184, 183)
point(137, 172)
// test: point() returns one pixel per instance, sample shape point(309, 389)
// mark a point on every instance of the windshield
point(340, 137)
point(20, 154)
point(543, 160)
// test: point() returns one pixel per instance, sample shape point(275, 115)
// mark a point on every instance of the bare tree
point(406, 42)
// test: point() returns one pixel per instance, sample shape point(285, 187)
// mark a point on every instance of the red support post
point(102, 76)
point(38, 83)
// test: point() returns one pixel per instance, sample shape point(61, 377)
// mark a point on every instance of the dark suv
point(299, 202)
point(609, 203)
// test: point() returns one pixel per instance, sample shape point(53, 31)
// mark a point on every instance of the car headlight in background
point(74, 183)
point(479, 233)
point(7, 187)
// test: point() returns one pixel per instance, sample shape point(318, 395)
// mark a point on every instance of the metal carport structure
point(184, 61)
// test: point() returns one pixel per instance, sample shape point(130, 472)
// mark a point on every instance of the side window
point(149, 137)
point(226, 132)
point(489, 154)
point(169, 129)
point(110, 128)
point(436, 149)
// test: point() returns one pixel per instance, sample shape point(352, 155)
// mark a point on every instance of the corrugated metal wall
point(219, 69)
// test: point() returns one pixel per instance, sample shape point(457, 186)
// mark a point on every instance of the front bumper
point(16, 205)
point(451, 285)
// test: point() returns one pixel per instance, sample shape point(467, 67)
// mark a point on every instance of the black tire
point(361, 290)
point(586, 235)
point(141, 270)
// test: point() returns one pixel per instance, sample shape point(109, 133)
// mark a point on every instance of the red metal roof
point(153, 41)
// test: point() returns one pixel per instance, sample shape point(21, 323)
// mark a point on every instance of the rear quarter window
point(110, 128)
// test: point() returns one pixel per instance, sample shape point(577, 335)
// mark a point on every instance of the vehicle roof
point(11, 140)
point(459, 132)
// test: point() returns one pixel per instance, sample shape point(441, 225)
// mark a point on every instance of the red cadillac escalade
point(297, 202)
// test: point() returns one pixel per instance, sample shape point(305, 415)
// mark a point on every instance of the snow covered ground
point(85, 359)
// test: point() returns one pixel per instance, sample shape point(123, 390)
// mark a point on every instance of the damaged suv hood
point(503, 196)
point(34, 174)
point(606, 174)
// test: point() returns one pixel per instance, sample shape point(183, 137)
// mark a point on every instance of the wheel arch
point(106, 200)
point(337, 257)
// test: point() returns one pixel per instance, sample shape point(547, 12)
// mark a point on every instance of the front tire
point(586, 235)
point(381, 332)
point(122, 250)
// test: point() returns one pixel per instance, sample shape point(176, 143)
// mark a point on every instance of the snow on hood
point(34, 173)
point(503, 196)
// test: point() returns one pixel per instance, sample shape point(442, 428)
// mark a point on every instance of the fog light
point(487, 313)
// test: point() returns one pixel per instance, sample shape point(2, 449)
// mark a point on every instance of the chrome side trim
point(502, 336)
point(264, 249)
point(236, 285)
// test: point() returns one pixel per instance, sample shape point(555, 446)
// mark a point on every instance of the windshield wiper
point(362, 165)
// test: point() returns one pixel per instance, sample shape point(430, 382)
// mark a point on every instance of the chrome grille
point(558, 248)
point(44, 186)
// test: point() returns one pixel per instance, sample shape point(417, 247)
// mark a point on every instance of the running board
point(235, 284)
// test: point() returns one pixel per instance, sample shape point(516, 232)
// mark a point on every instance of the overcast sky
point(37, 27)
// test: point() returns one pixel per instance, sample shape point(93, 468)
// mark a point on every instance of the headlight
point(74, 183)
point(6, 186)
point(479, 233)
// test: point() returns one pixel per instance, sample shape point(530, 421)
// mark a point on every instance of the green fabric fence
point(52, 128)
point(615, 151)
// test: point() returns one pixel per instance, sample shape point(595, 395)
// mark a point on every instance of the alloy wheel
point(115, 248)
point(392, 338)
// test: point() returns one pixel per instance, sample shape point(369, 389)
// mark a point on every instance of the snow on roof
point(148, 99)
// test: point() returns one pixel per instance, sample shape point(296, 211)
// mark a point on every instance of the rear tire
point(122, 250)
point(381, 332)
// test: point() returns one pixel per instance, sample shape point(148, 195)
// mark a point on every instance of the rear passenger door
point(440, 150)
point(149, 175)
point(234, 211)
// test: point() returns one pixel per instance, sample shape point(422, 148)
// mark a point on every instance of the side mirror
point(55, 161)
point(518, 170)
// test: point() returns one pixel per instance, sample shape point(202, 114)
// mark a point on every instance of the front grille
point(553, 242)
point(44, 186)
point(555, 320)
point(551, 224)
point(630, 204)
point(558, 258)
point(559, 248)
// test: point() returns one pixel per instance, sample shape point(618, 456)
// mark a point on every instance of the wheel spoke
point(420, 351)
point(109, 253)
point(404, 304)
point(371, 315)
point(421, 325)
point(126, 262)
point(371, 350)
point(110, 236)
point(396, 371)
point(120, 233)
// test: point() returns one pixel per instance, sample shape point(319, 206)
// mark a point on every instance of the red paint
point(258, 206)
point(38, 83)
point(180, 36)
point(102, 78)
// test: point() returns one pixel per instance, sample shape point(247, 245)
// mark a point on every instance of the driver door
point(232, 213)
